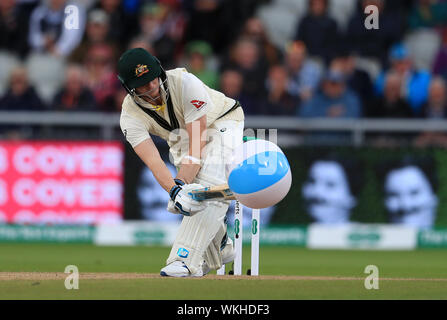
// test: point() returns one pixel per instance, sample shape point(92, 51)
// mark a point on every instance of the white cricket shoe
point(228, 255)
point(178, 269)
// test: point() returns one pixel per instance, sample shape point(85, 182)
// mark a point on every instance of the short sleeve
point(133, 129)
point(196, 100)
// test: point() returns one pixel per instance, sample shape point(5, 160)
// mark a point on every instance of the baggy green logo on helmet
point(140, 70)
point(137, 67)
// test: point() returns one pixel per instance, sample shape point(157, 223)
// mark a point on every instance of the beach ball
point(259, 174)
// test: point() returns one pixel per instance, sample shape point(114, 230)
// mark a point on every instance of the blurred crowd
point(329, 66)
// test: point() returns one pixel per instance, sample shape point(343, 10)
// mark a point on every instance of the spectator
point(175, 19)
point(428, 14)
point(305, 75)
point(279, 101)
point(231, 84)
point(374, 43)
point(47, 31)
point(357, 80)
point(223, 20)
point(21, 95)
point(97, 32)
point(254, 29)
point(198, 52)
point(391, 105)
point(245, 56)
point(101, 77)
point(74, 96)
point(436, 106)
point(334, 101)
point(318, 30)
point(121, 24)
point(141, 42)
point(14, 26)
point(154, 30)
point(440, 64)
point(203, 13)
point(414, 82)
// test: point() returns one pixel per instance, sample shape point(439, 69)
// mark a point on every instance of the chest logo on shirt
point(198, 104)
point(141, 69)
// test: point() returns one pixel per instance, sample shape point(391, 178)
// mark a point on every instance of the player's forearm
point(188, 172)
point(191, 164)
point(147, 152)
point(163, 175)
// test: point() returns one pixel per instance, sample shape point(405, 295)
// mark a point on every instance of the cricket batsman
point(201, 126)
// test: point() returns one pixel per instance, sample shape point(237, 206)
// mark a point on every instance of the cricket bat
point(221, 192)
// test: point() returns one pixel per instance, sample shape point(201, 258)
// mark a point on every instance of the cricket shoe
point(179, 269)
point(228, 255)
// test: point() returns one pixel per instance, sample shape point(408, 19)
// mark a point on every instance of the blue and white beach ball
point(259, 174)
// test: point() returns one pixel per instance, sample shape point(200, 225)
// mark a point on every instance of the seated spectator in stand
point(206, 13)
point(140, 42)
point(231, 84)
point(436, 106)
point(279, 101)
point(47, 32)
point(391, 104)
point(153, 28)
point(97, 32)
point(374, 43)
point(334, 101)
point(121, 24)
point(318, 30)
point(101, 76)
point(435, 109)
point(254, 29)
point(175, 19)
point(415, 82)
point(14, 28)
point(74, 96)
point(357, 80)
point(305, 75)
point(440, 64)
point(20, 96)
point(428, 14)
point(198, 52)
point(245, 56)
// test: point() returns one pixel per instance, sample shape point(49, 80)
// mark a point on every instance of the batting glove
point(182, 202)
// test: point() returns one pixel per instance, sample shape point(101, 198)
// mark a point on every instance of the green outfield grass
point(422, 265)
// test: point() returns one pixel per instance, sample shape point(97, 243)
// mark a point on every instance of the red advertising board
point(61, 182)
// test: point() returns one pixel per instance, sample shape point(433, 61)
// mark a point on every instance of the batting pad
point(196, 234)
point(213, 253)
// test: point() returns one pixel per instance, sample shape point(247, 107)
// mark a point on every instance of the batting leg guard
point(195, 235)
point(213, 253)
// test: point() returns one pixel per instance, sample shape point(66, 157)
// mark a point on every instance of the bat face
point(212, 193)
